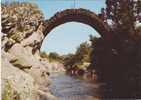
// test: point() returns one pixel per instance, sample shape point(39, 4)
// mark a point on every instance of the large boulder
point(16, 84)
point(26, 61)
point(23, 57)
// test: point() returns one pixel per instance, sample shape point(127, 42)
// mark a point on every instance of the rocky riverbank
point(24, 72)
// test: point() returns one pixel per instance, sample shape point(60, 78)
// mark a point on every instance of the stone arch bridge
point(71, 15)
point(79, 15)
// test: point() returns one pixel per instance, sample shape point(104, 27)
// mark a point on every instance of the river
point(65, 87)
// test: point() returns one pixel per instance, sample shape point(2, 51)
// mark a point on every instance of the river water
point(66, 87)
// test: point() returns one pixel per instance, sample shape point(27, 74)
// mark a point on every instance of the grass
point(9, 93)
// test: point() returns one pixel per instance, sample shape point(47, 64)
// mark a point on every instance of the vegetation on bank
point(52, 56)
point(19, 20)
point(119, 64)
point(81, 56)
point(22, 15)
point(9, 93)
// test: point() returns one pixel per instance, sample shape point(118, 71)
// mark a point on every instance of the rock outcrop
point(24, 77)
point(19, 84)
point(25, 74)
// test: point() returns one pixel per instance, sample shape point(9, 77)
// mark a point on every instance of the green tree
point(83, 52)
point(82, 55)
point(69, 61)
point(122, 13)
point(44, 55)
point(53, 56)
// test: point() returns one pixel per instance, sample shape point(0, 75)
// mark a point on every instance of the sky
point(67, 37)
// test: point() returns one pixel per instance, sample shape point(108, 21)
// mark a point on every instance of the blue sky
point(67, 37)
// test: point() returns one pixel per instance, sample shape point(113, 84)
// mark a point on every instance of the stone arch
point(79, 15)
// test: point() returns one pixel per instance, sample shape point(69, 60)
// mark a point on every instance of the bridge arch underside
point(79, 15)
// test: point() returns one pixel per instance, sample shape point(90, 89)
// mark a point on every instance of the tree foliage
point(123, 14)
point(119, 64)
point(44, 55)
point(53, 56)
point(81, 56)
